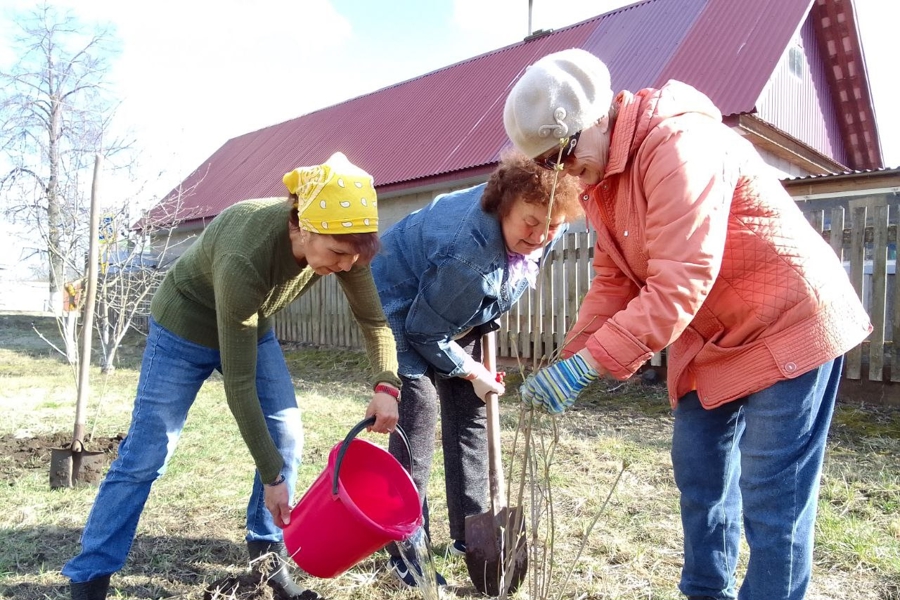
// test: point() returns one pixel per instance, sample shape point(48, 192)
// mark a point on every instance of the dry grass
point(191, 533)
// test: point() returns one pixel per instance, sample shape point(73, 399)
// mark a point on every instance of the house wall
point(180, 241)
point(783, 168)
point(797, 99)
point(393, 208)
point(24, 296)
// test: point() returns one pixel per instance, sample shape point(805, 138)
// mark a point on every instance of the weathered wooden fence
point(867, 245)
point(321, 316)
point(537, 324)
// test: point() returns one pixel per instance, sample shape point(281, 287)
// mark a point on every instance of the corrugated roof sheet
point(851, 173)
point(450, 121)
point(733, 48)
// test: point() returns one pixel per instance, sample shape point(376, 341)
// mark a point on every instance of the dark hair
point(367, 245)
point(518, 177)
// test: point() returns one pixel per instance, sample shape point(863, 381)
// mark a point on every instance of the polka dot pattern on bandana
point(336, 197)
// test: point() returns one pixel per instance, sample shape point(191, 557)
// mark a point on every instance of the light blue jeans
point(172, 371)
point(760, 456)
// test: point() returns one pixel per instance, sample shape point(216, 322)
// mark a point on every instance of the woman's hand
point(278, 502)
point(384, 407)
point(484, 381)
point(555, 388)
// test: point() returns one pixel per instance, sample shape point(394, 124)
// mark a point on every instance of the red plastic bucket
point(361, 501)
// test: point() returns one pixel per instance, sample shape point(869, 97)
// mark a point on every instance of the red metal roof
point(844, 174)
point(449, 122)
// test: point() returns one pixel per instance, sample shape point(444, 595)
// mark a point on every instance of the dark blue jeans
point(761, 458)
point(172, 371)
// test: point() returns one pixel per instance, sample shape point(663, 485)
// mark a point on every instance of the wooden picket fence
point(537, 324)
point(867, 242)
point(321, 317)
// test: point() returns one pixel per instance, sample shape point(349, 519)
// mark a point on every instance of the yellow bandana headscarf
point(334, 198)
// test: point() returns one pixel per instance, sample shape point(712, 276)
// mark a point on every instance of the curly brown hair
point(517, 177)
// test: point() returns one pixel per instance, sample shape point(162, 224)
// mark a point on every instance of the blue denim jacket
point(442, 270)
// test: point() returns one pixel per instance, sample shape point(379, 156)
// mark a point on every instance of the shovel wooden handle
point(495, 462)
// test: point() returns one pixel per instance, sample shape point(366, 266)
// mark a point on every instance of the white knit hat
point(557, 96)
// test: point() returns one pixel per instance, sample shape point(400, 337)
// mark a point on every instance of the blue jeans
point(172, 371)
point(760, 455)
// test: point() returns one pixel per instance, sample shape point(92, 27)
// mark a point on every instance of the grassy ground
point(191, 532)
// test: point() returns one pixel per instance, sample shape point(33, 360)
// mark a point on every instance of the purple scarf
point(522, 267)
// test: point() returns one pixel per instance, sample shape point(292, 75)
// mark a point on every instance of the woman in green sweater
point(213, 312)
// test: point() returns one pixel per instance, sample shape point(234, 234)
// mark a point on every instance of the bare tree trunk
point(69, 332)
point(57, 273)
point(103, 324)
point(109, 365)
point(87, 332)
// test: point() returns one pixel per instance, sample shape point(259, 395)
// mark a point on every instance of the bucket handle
point(346, 444)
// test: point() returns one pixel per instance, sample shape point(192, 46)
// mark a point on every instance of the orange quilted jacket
point(700, 250)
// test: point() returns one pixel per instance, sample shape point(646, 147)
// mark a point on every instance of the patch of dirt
point(20, 454)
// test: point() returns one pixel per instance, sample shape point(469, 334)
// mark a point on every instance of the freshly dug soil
point(18, 455)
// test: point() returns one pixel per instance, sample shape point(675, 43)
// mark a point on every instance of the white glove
point(483, 380)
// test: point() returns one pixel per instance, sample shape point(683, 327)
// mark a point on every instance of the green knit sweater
point(223, 291)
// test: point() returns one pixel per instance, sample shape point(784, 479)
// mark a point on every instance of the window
point(796, 61)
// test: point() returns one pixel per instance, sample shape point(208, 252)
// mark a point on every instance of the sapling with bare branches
point(133, 259)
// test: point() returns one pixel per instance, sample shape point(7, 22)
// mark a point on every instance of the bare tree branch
point(132, 266)
point(55, 116)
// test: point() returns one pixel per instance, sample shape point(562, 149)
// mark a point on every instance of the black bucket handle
point(346, 444)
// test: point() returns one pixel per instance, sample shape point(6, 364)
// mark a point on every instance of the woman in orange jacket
point(701, 251)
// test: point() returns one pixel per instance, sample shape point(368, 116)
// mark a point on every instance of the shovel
point(496, 554)
point(74, 464)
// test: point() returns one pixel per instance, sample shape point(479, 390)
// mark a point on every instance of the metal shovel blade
point(69, 468)
point(496, 552)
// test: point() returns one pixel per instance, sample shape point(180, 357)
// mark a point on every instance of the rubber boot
point(95, 589)
point(274, 571)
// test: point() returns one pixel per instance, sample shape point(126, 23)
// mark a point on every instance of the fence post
point(857, 274)
point(837, 232)
point(879, 292)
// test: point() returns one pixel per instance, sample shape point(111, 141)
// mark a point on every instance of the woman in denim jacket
point(445, 274)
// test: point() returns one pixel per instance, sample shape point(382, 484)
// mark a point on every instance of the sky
point(193, 74)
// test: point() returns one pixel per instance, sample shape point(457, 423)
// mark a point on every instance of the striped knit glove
point(555, 388)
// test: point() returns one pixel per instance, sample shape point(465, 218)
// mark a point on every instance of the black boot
point(95, 589)
point(273, 570)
